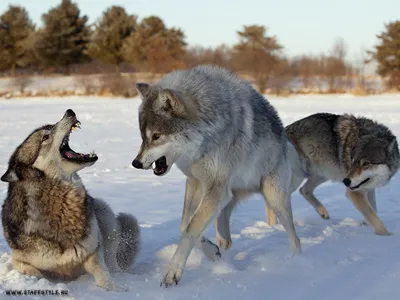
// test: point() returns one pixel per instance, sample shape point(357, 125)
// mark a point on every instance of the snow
point(341, 259)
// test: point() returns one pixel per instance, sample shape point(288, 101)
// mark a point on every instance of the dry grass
point(117, 85)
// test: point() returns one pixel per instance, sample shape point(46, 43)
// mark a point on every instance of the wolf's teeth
point(153, 165)
point(76, 126)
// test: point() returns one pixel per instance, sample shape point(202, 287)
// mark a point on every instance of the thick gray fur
point(230, 143)
point(345, 148)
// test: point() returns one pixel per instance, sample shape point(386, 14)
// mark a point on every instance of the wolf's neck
point(75, 179)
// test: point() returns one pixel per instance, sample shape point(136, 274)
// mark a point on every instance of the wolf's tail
point(129, 244)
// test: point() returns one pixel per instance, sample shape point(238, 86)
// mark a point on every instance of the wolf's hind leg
point(297, 177)
point(307, 191)
point(275, 189)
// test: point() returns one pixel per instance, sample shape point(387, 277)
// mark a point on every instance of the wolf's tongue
point(71, 154)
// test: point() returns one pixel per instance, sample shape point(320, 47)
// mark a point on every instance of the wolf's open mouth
point(160, 166)
point(69, 154)
point(361, 183)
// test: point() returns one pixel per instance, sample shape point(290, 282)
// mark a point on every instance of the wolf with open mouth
point(54, 228)
point(229, 142)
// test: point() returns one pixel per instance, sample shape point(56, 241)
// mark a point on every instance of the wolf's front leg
point(96, 266)
point(361, 202)
point(372, 201)
point(193, 195)
point(192, 200)
point(26, 268)
point(215, 197)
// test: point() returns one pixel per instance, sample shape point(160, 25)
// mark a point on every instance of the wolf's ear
point(10, 176)
point(144, 89)
point(169, 102)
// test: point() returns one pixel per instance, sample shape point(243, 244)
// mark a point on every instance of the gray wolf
point(54, 228)
point(360, 152)
point(229, 142)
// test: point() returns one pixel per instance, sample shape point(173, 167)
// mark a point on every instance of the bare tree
point(307, 69)
point(335, 65)
point(220, 56)
point(282, 76)
point(362, 64)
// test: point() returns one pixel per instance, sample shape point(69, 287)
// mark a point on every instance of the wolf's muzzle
point(69, 114)
point(347, 181)
point(137, 164)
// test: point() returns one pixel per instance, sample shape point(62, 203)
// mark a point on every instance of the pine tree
point(257, 54)
point(15, 30)
point(155, 48)
point(64, 38)
point(111, 31)
point(387, 54)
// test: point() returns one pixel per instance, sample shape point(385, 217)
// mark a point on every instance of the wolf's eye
point(45, 137)
point(366, 163)
point(155, 136)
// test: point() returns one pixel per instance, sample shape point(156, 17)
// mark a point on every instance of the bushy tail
point(129, 244)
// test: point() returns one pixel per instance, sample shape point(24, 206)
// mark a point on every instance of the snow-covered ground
point(340, 260)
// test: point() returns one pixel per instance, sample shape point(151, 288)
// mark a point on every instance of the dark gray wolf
point(54, 228)
point(229, 142)
point(361, 153)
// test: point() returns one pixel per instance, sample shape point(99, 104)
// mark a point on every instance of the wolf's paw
point(223, 243)
point(173, 275)
point(383, 232)
point(112, 286)
point(210, 250)
point(296, 247)
point(323, 213)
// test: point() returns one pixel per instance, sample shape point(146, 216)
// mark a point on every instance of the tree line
point(67, 43)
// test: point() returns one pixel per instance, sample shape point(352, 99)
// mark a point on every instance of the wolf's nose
point(137, 164)
point(346, 181)
point(70, 113)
